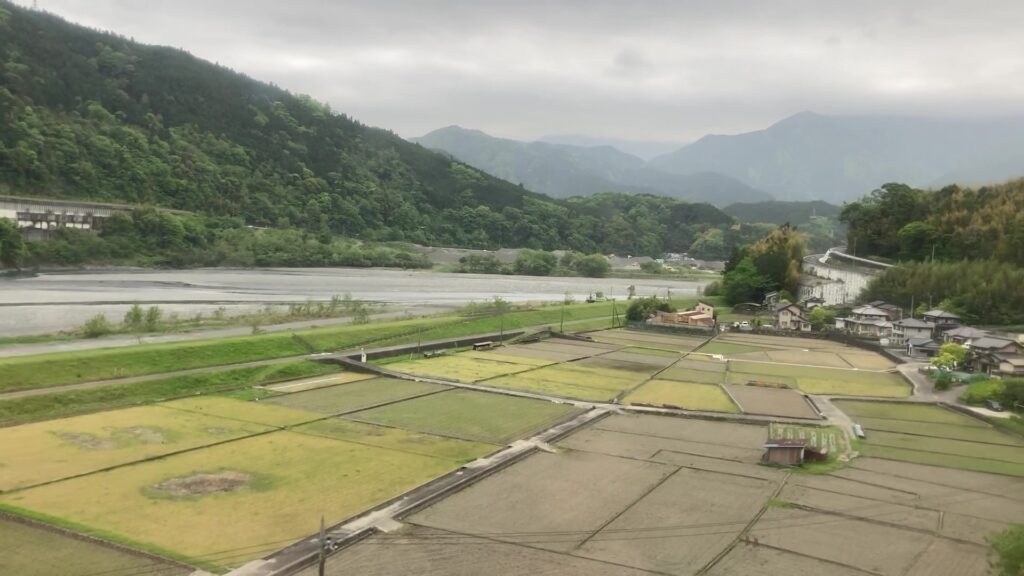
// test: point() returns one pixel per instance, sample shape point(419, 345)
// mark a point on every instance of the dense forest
point(898, 222)
point(962, 246)
point(92, 115)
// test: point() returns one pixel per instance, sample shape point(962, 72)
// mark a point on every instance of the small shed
point(785, 451)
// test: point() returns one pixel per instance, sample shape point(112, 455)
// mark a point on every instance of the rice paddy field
point(650, 494)
point(469, 415)
point(687, 395)
point(930, 434)
point(168, 478)
point(32, 550)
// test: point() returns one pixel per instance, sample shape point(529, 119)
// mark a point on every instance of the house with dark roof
point(910, 328)
point(918, 347)
point(1010, 364)
point(941, 319)
point(983, 355)
point(790, 317)
point(868, 321)
point(964, 335)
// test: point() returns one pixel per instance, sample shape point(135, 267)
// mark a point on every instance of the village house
point(983, 355)
point(941, 319)
point(902, 330)
point(790, 317)
point(892, 311)
point(918, 347)
point(1010, 364)
point(964, 335)
point(867, 321)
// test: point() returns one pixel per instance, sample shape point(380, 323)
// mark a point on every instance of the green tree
point(651, 267)
point(641, 309)
point(153, 316)
point(535, 263)
point(134, 319)
point(950, 356)
point(593, 266)
point(97, 326)
point(480, 264)
point(1009, 545)
point(744, 283)
point(12, 246)
point(820, 317)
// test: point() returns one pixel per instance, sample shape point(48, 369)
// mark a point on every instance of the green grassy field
point(263, 413)
point(32, 551)
point(818, 380)
point(458, 367)
point(287, 480)
point(972, 432)
point(571, 381)
point(475, 416)
point(689, 395)
point(906, 411)
point(928, 434)
point(74, 402)
point(354, 396)
point(458, 451)
point(84, 444)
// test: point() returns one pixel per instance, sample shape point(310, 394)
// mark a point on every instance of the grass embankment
point(45, 370)
point(72, 402)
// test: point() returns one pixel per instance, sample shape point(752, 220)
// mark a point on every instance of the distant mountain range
point(838, 158)
point(807, 156)
point(643, 149)
point(562, 170)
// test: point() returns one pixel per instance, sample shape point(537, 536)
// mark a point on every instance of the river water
point(51, 302)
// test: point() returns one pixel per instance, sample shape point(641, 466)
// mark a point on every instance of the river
point(51, 302)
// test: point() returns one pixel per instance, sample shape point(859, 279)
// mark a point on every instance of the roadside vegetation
point(152, 320)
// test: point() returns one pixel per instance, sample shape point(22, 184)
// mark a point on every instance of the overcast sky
point(649, 70)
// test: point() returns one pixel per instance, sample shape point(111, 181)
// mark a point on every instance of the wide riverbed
point(52, 302)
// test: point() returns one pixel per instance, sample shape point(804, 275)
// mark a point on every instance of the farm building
point(785, 452)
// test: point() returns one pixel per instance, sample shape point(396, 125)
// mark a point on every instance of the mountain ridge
point(563, 170)
point(812, 156)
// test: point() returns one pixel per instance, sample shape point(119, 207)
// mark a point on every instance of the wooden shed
point(785, 452)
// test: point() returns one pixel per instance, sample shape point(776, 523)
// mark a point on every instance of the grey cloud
point(656, 69)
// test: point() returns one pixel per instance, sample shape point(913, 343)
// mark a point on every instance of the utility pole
point(322, 557)
point(561, 322)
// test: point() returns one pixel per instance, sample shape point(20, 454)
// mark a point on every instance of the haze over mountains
point(562, 170)
point(807, 156)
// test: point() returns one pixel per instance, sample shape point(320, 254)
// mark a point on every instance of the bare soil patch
point(204, 483)
point(772, 401)
point(675, 517)
point(550, 501)
point(865, 545)
point(751, 559)
point(86, 441)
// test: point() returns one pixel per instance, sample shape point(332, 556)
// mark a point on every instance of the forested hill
point(953, 223)
point(94, 115)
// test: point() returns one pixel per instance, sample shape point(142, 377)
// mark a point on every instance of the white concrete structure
point(836, 277)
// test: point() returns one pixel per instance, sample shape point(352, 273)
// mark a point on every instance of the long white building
point(836, 277)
